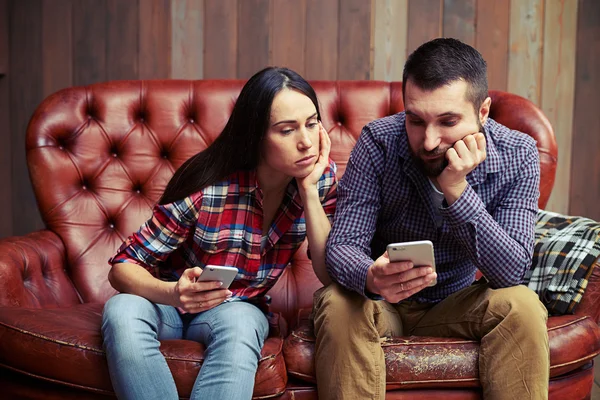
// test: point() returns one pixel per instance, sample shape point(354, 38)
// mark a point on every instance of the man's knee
point(340, 312)
point(520, 303)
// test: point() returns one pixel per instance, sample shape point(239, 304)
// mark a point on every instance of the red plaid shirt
point(222, 225)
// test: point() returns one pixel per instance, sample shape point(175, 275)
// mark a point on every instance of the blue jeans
point(233, 333)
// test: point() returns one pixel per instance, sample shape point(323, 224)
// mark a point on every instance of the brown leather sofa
point(99, 157)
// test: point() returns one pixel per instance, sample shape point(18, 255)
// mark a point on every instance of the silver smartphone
point(218, 273)
point(420, 253)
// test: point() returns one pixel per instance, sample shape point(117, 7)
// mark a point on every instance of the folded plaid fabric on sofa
point(563, 258)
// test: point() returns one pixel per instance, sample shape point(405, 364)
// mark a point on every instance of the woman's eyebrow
point(293, 121)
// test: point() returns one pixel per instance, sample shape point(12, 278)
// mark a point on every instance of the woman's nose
point(305, 141)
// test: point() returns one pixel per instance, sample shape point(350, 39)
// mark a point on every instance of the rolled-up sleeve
point(169, 226)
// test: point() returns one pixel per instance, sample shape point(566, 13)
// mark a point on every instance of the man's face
point(436, 120)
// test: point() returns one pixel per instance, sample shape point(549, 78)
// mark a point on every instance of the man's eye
point(415, 122)
point(450, 123)
point(311, 125)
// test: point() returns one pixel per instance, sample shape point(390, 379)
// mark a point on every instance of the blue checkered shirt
point(384, 198)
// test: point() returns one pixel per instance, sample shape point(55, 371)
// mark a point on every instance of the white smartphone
point(218, 273)
point(420, 253)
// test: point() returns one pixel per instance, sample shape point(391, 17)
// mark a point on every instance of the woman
point(247, 201)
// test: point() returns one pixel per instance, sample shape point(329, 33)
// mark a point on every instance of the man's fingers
point(480, 139)
point(392, 268)
point(471, 143)
point(452, 156)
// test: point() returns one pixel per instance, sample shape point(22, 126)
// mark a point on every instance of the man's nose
point(432, 139)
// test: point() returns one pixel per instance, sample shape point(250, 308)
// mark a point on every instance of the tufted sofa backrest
point(100, 156)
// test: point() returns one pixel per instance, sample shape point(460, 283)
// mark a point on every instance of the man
point(440, 171)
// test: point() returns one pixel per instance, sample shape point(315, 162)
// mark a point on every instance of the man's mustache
point(433, 153)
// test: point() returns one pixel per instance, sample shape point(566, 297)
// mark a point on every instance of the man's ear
point(484, 110)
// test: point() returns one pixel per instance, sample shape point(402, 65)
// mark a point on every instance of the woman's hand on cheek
point(310, 180)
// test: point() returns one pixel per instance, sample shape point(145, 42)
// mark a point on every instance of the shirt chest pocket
point(224, 238)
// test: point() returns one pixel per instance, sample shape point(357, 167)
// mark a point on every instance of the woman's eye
point(287, 131)
point(312, 125)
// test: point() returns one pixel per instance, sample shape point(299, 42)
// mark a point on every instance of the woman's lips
point(306, 161)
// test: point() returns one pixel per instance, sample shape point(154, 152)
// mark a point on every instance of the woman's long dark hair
point(238, 147)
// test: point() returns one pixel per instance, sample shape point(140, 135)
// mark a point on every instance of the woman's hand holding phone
point(396, 281)
point(195, 296)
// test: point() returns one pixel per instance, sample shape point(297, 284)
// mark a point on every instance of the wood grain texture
point(585, 163)
point(525, 48)
point(26, 92)
point(5, 137)
point(89, 41)
point(254, 19)
point(122, 35)
point(390, 39)
point(4, 21)
point(220, 39)
point(288, 35)
point(459, 20)
point(5, 158)
point(187, 37)
point(57, 45)
point(491, 39)
point(354, 60)
point(322, 29)
point(154, 57)
point(558, 89)
point(425, 22)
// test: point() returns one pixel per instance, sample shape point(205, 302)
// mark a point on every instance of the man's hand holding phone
point(463, 157)
point(195, 296)
point(396, 281)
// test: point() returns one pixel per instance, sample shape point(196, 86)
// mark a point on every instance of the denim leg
point(132, 327)
point(233, 333)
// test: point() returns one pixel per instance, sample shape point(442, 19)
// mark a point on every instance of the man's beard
point(433, 168)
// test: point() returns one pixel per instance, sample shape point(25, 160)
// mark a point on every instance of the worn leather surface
point(65, 345)
point(574, 386)
point(99, 158)
point(413, 361)
point(590, 302)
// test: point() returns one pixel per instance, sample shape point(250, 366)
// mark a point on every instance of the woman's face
point(291, 144)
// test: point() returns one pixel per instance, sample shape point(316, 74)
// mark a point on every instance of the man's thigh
point(469, 313)
point(343, 308)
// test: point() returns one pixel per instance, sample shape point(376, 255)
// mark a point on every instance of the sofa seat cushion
point(414, 362)
point(64, 345)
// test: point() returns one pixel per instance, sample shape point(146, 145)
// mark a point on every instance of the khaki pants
point(510, 323)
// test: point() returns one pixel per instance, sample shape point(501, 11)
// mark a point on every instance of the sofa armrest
point(32, 272)
point(589, 303)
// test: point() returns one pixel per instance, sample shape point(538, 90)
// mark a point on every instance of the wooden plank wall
point(545, 50)
point(5, 137)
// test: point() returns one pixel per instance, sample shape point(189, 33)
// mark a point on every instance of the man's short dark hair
point(443, 61)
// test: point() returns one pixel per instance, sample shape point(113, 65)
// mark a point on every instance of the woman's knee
point(235, 322)
point(122, 304)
